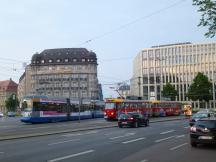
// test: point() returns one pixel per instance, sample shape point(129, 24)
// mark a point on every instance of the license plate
point(124, 122)
point(205, 137)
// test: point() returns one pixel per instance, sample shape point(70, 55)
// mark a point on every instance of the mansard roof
point(64, 56)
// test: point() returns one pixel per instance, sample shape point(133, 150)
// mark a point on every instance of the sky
point(116, 30)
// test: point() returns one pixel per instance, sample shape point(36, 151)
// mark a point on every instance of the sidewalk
point(75, 126)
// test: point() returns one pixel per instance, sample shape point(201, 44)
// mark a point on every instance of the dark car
point(200, 115)
point(203, 132)
point(132, 119)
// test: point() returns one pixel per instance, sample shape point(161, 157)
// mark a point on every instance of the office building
point(177, 64)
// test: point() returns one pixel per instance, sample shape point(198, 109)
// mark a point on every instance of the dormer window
point(42, 61)
point(74, 60)
point(58, 60)
point(66, 60)
point(50, 60)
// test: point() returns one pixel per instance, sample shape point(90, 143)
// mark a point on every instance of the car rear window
point(125, 116)
point(206, 123)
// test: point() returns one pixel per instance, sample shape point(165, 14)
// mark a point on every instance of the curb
point(73, 130)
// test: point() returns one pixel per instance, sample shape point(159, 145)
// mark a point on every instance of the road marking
point(187, 127)
point(180, 136)
point(39, 127)
point(128, 134)
point(169, 131)
point(174, 148)
point(56, 143)
point(163, 139)
point(70, 156)
point(80, 134)
point(145, 160)
point(134, 140)
point(4, 126)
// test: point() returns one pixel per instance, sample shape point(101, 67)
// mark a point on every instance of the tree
point(207, 8)
point(169, 91)
point(12, 103)
point(200, 89)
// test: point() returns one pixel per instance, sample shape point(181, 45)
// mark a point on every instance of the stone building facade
point(7, 87)
point(63, 72)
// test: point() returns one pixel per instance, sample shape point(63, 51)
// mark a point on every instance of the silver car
point(1, 114)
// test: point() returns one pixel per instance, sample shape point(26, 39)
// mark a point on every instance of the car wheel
point(193, 144)
point(136, 124)
point(147, 123)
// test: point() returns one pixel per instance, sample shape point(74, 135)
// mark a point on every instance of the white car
point(1, 114)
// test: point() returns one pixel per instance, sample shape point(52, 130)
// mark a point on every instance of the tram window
point(24, 105)
point(126, 105)
point(139, 105)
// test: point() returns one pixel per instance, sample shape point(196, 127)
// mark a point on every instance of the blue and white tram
point(41, 109)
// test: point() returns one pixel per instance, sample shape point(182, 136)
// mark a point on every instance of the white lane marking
point(174, 148)
point(80, 134)
point(70, 156)
point(169, 131)
point(163, 139)
point(126, 135)
point(70, 135)
point(56, 143)
point(180, 136)
point(39, 127)
point(187, 127)
point(145, 160)
point(107, 134)
point(4, 126)
point(134, 140)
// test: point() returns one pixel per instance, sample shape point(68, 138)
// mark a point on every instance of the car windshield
point(200, 115)
point(206, 123)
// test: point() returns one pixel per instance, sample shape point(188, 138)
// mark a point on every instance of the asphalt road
point(160, 142)
point(13, 128)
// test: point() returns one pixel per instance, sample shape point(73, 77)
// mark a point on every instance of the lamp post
point(79, 95)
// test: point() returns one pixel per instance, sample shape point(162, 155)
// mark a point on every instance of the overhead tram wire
point(12, 60)
point(132, 22)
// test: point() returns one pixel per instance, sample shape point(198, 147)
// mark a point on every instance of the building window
point(74, 60)
point(42, 61)
point(83, 60)
point(50, 60)
point(58, 60)
point(66, 60)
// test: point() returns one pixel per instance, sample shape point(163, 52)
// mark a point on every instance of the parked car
point(11, 114)
point(132, 119)
point(203, 132)
point(1, 114)
point(199, 115)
